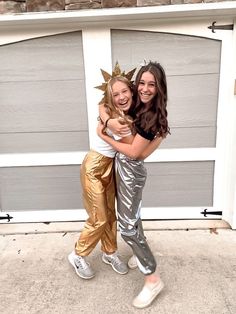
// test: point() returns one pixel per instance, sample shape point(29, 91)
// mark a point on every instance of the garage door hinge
point(205, 213)
point(8, 217)
point(220, 27)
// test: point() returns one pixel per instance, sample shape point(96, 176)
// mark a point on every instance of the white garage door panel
point(40, 188)
point(57, 57)
point(42, 95)
point(44, 142)
point(193, 100)
point(190, 137)
point(192, 69)
point(179, 184)
point(179, 54)
point(42, 106)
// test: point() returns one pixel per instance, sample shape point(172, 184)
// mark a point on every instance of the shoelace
point(81, 263)
point(115, 260)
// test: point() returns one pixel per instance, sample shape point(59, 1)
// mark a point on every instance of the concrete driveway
point(198, 268)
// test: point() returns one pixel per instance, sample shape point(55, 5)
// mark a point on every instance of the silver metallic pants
point(130, 179)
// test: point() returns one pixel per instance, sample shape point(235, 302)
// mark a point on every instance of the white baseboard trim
point(65, 227)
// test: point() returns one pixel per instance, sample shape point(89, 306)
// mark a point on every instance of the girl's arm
point(153, 145)
point(114, 125)
point(150, 146)
point(132, 150)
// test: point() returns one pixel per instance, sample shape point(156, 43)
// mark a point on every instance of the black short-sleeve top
point(147, 135)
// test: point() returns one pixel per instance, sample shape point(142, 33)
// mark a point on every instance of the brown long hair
point(152, 117)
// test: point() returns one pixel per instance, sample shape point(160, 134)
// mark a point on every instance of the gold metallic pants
point(97, 179)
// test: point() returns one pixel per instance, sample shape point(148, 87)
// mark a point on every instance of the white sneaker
point(148, 294)
point(80, 265)
point(132, 263)
point(113, 260)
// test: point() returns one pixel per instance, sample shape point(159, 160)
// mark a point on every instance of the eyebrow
point(148, 81)
point(123, 90)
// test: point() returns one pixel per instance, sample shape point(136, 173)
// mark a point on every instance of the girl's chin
point(145, 101)
point(125, 108)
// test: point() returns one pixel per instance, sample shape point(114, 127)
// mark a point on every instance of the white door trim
point(148, 213)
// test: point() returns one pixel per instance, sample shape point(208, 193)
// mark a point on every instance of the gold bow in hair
point(107, 77)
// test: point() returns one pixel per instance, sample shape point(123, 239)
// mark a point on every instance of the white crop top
point(103, 147)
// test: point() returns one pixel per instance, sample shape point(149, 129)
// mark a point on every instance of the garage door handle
point(8, 217)
point(205, 213)
point(221, 27)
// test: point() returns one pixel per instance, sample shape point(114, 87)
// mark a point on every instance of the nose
point(145, 87)
point(122, 96)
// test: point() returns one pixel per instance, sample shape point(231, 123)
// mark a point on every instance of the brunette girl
point(151, 126)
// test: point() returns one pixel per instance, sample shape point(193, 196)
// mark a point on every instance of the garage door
point(44, 110)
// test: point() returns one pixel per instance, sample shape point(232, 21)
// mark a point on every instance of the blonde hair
point(110, 107)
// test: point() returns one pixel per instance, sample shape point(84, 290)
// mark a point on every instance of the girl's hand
point(114, 124)
point(117, 127)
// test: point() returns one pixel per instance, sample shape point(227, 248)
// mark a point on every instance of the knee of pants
point(101, 224)
point(129, 239)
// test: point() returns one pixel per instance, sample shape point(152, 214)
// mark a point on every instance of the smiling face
point(122, 96)
point(147, 87)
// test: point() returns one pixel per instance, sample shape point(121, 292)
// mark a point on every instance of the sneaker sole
point(71, 260)
point(157, 292)
point(109, 263)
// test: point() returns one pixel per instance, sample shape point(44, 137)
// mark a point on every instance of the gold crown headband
point(115, 73)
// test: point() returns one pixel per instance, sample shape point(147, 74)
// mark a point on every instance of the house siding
point(22, 6)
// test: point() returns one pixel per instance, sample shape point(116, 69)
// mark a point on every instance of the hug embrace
point(133, 123)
